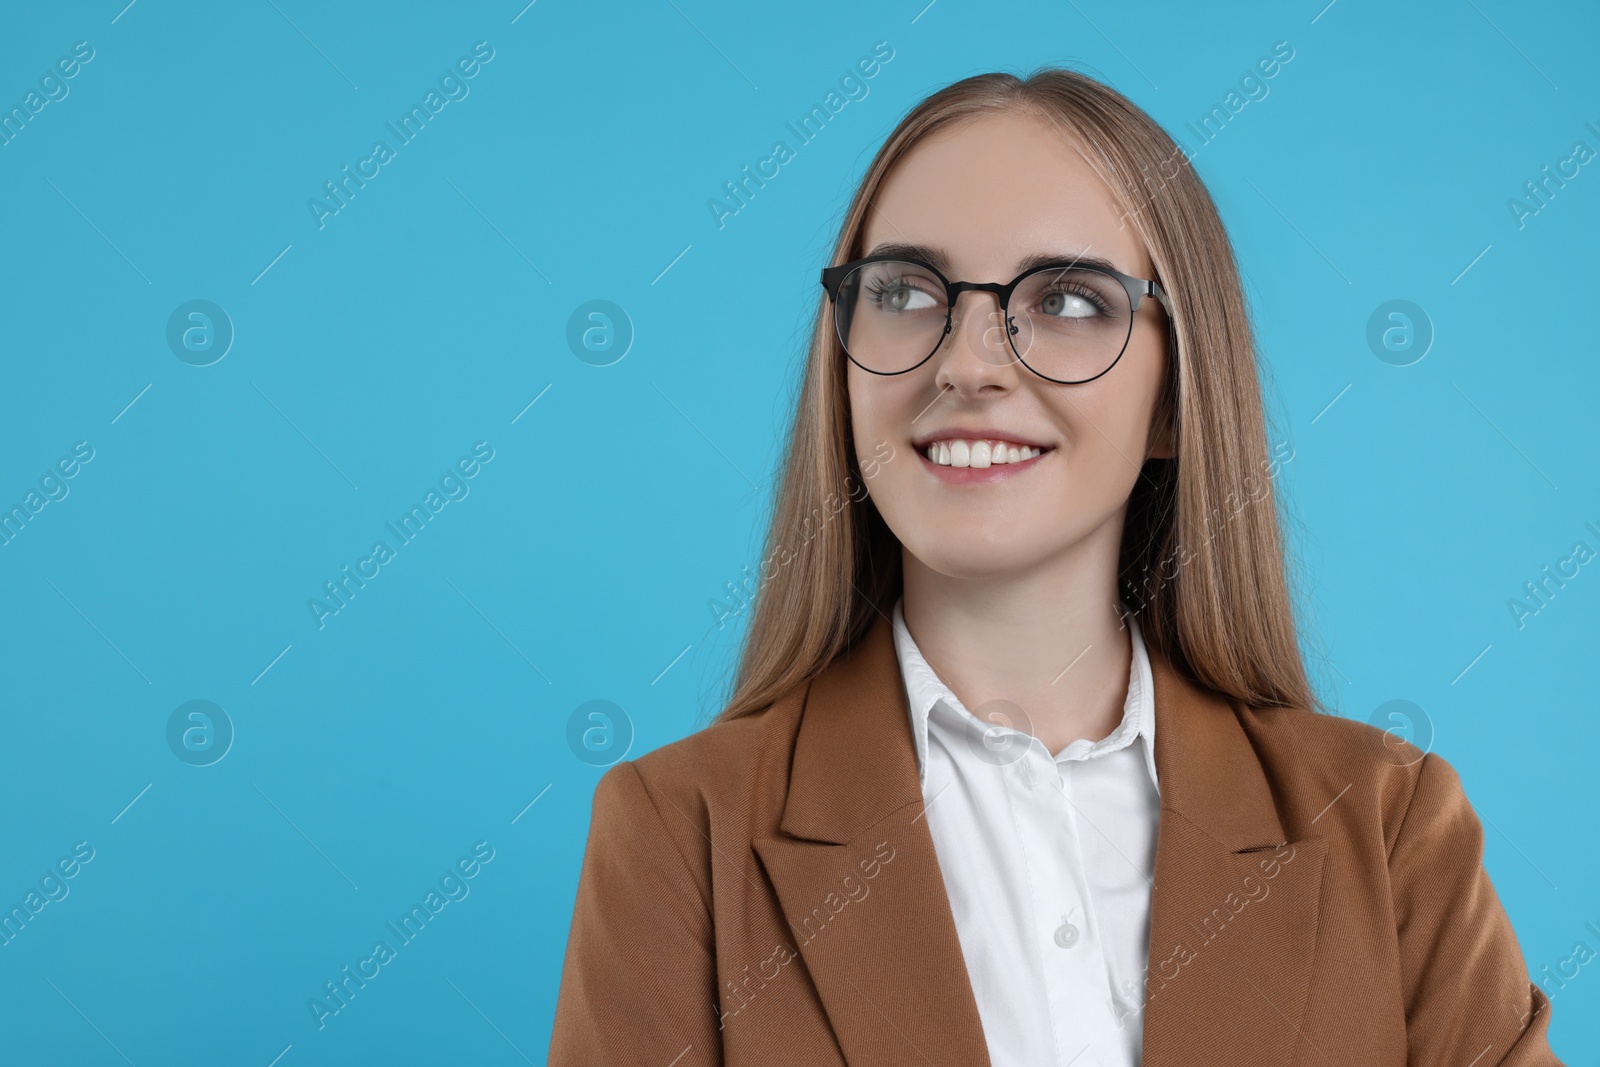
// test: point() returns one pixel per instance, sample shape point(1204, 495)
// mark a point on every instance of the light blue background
point(429, 312)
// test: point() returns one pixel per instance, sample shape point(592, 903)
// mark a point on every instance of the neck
point(1051, 641)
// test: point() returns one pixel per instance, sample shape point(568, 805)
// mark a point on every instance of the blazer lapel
point(1234, 909)
point(1234, 906)
point(858, 878)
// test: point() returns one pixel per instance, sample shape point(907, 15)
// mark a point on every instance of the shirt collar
point(924, 691)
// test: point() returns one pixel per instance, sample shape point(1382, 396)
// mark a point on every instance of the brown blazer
point(766, 891)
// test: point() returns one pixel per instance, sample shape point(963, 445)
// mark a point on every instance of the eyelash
point(878, 287)
point(1086, 293)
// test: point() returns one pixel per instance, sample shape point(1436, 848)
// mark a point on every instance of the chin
point(974, 560)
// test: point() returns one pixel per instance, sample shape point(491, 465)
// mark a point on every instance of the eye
point(899, 294)
point(1073, 301)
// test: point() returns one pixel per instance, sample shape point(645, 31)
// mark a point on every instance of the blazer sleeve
point(638, 985)
point(1468, 995)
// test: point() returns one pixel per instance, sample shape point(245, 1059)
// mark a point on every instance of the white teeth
point(956, 452)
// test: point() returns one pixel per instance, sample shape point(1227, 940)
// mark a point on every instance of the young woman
point(1022, 766)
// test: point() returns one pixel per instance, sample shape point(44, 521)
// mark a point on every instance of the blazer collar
point(894, 973)
point(924, 690)
point(855, 757)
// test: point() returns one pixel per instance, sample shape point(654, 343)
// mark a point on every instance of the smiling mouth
point(962, 452)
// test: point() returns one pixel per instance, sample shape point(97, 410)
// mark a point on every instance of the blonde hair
point(1205, 578)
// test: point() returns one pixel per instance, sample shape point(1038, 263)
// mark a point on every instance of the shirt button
point(1066, 935)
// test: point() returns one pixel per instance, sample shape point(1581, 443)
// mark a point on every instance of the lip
point(980, 475)
point(975, 433)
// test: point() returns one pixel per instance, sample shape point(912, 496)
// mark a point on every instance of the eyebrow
point(938, 257)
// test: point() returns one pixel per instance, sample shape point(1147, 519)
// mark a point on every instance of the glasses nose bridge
point(999, 289)
point(998, 319)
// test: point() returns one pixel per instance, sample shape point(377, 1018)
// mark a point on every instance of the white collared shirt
point(1047, 861)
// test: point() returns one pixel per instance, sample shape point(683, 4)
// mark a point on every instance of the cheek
point(1111, 421)
point(1106, 424)
point(863, 410)
point(1117, 409)
point(881, 409)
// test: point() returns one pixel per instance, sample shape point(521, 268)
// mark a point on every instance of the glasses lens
point(1070, 323)
point(890, 315)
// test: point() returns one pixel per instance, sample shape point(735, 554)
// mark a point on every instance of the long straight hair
point(1201, 563)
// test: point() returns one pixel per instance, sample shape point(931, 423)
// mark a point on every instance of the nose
point(978, 335)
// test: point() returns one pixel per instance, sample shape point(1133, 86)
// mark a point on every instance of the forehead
point(998, 188)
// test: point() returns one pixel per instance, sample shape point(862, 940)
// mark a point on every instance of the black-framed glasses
point(1068, 322)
